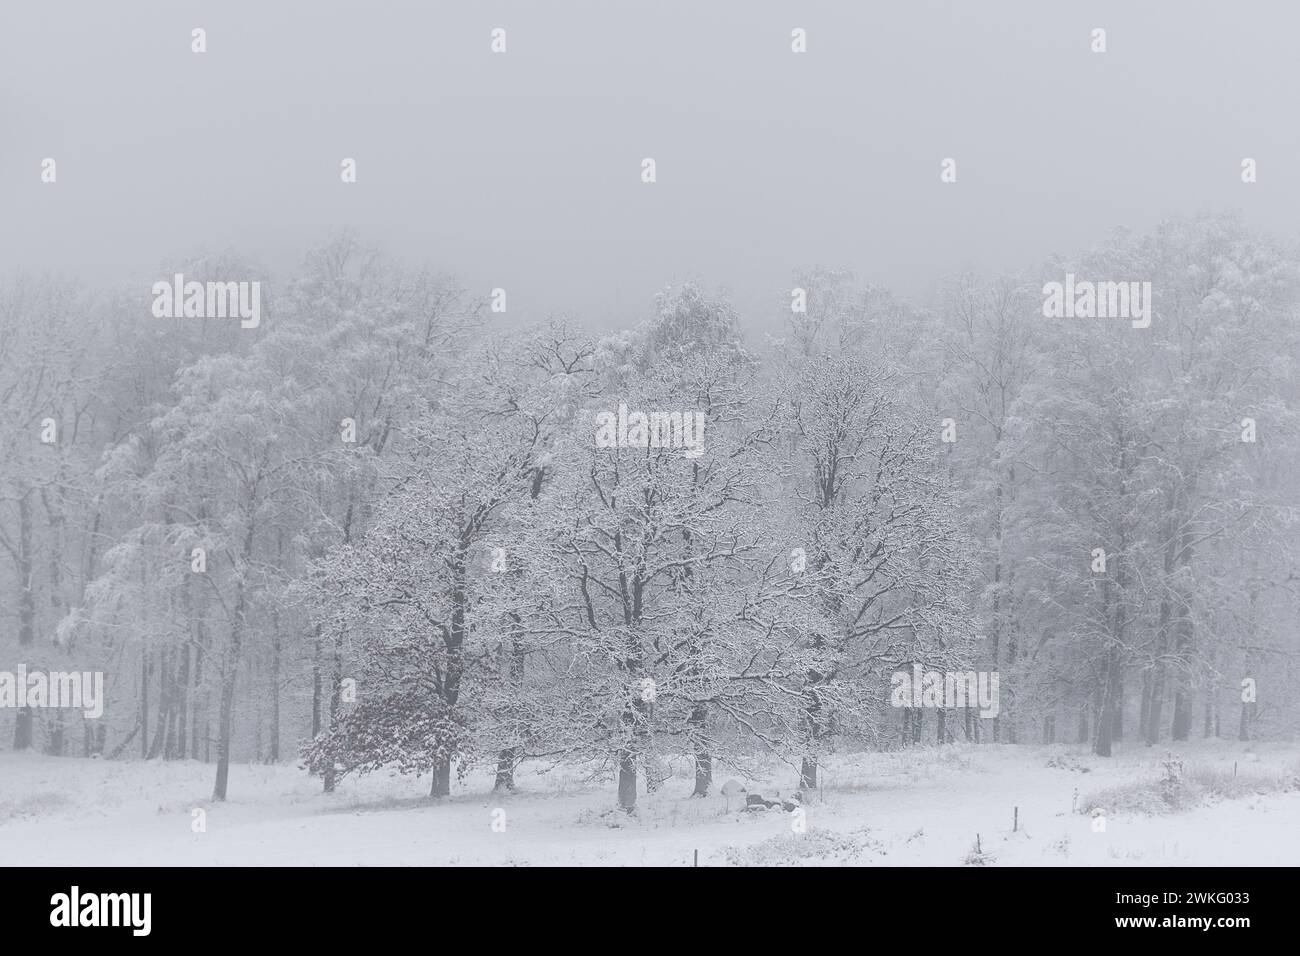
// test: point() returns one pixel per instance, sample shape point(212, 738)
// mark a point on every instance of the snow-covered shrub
point(815, 847)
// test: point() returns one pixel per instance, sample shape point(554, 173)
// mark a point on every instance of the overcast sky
point(522, 170)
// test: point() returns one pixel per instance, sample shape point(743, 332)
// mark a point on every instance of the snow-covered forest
point(390, 529)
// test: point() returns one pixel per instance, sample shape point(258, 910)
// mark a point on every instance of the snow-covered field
point(916, 807)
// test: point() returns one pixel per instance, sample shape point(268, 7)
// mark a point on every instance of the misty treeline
point(473, 582)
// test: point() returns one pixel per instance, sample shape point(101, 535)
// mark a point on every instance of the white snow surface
point(921, 806)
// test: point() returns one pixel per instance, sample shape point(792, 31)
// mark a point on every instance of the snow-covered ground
point(916, 807)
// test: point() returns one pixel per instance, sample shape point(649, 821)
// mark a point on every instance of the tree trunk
point(55, 520)
point(1151, 732)
point(1106, 718)
point(454, 641)
point(198, 702)
point(144, 703)
point(229, 672)
point(1156, 706)
point(183, 704)
point(1118, 731)
point(24, 724)
point(995, 638)
point(813, 730)
point(808, 774)
point(315, 684)
point(274, 755)
point(441, 777)
point(1185, 629)
point(224, 718)
point(509, 756)
point(1109, 689)
point(1182, 723)
point(55, 743)
point(703, 759)
point(1144, 705)
point(505, 769)
point(336, 692)
point(626, 780)
point(703, 774)
point(164, 708)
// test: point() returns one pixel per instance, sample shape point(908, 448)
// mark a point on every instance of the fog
point(522, 170)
